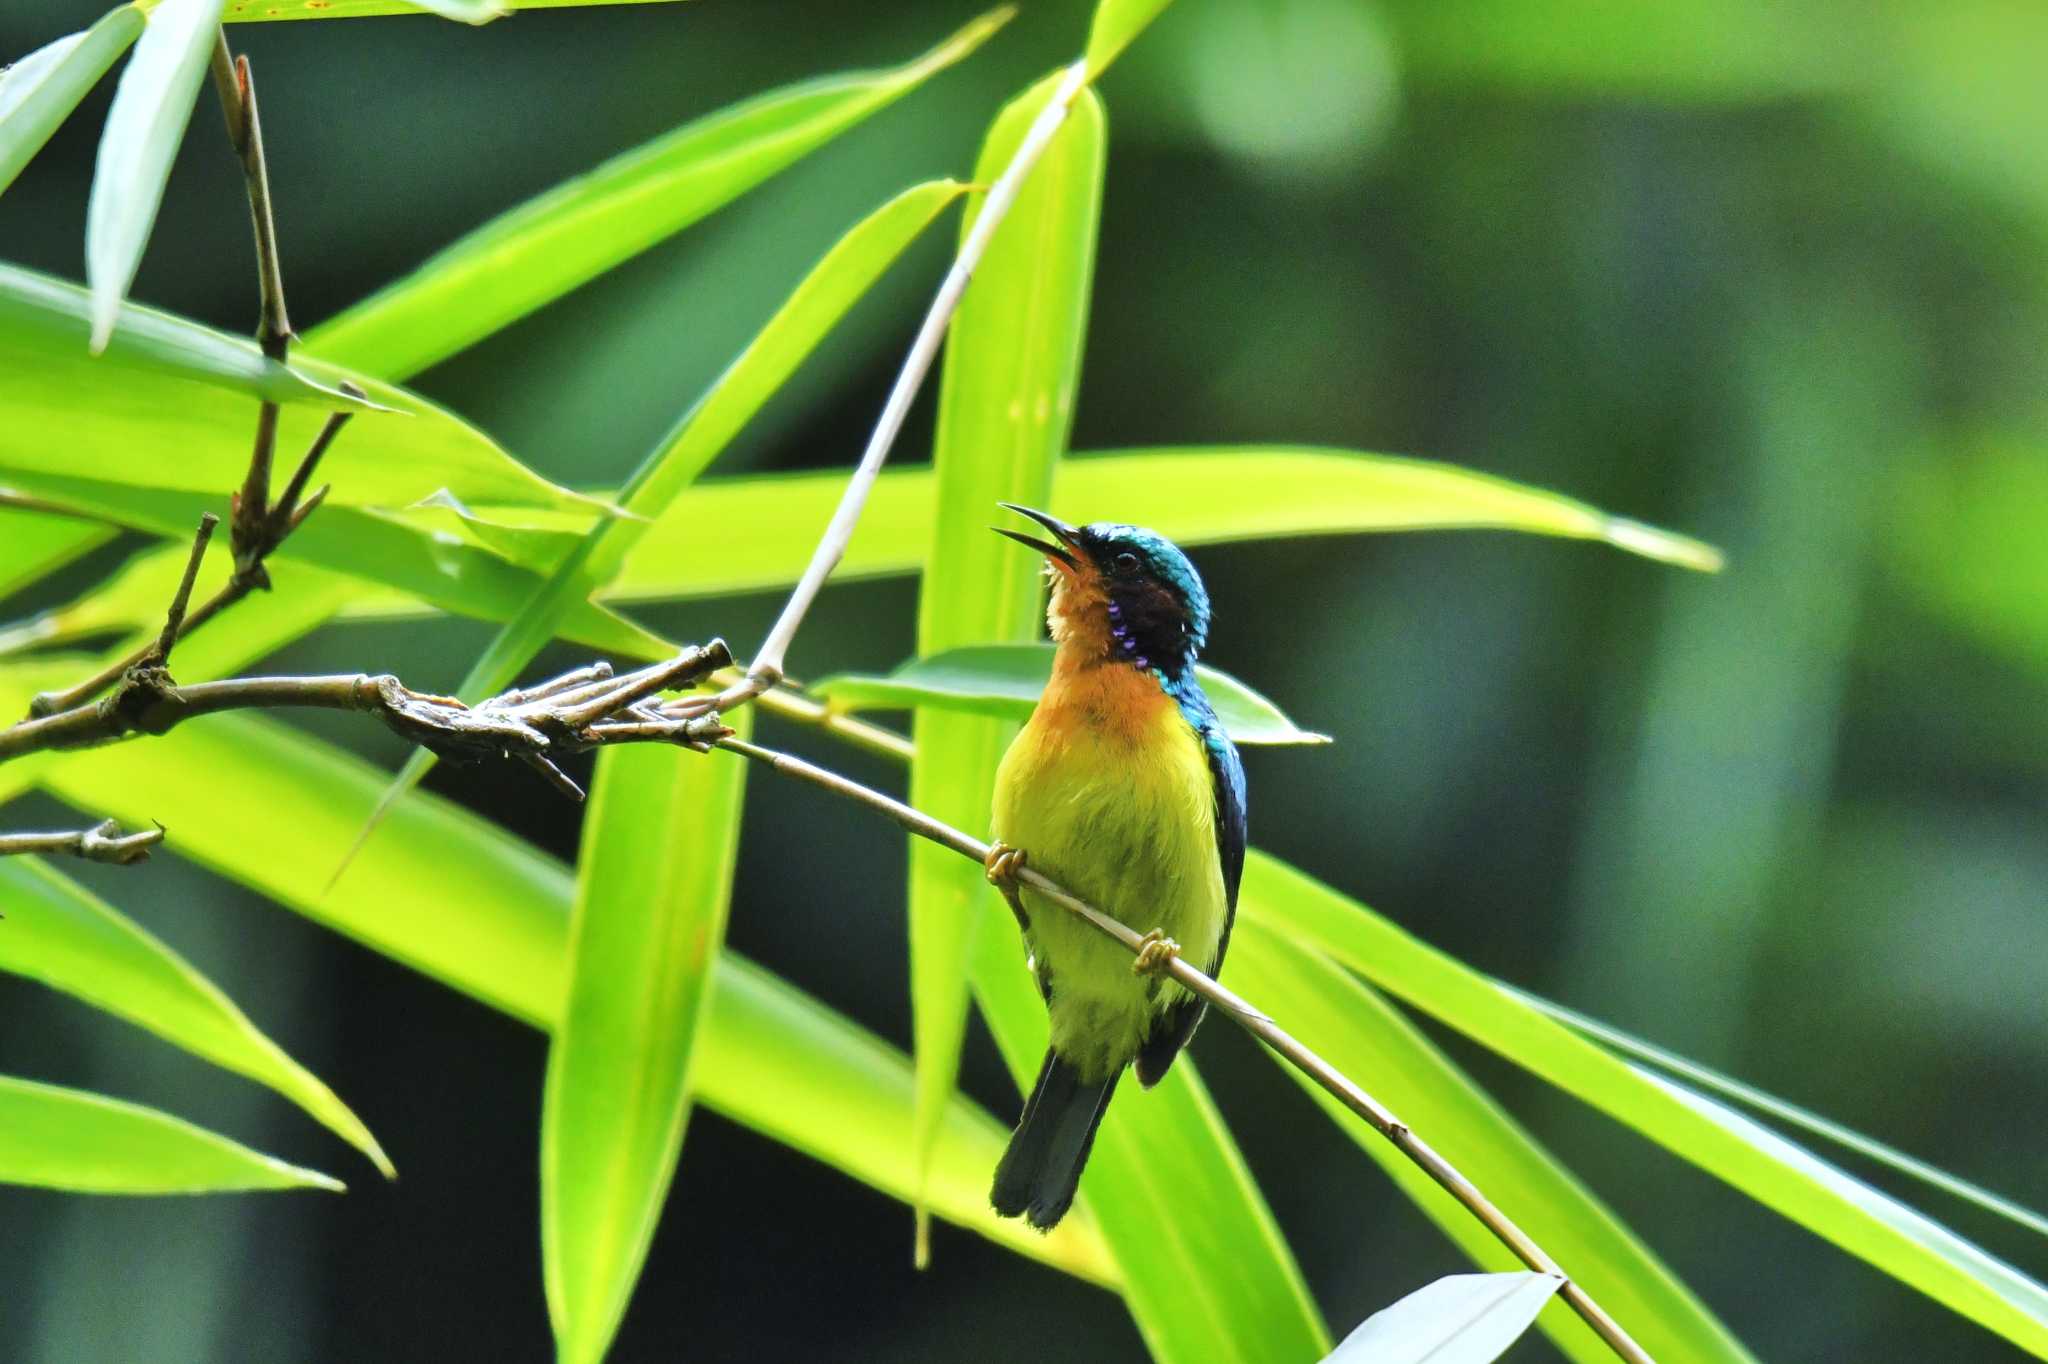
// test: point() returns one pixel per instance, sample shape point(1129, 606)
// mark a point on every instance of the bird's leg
point(1156, 953)
point(1002, 865)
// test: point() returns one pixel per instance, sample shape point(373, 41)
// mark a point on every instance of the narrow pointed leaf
point(539, 251)
point(1359, 1033)
point(271, 808)
point(1006, 401)
point(151, 107)
point(57, 1138)
point(1459, 1319)
point(264, 11)
point(34, 543)
point(1005, 680)
point(1116, 23)
point(654, 881)
point(60, 934)
point(463, 11)
point(1910, 1247)
point(39, 92)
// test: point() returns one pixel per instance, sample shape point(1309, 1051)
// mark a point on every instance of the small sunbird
point(1124, 789)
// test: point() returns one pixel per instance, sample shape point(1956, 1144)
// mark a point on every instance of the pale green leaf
point(152, 105)
point(1459, 1319)
point(1116, 23)
point(1006, 401)
point(1005, 680)
point(34, 543)
point(539, 251)
point(58, 933)
point(57, 1138)
point(258, 11)
point(1847, 1213)
point(654, 882)
point(39, 92)
point(1355, 1030)
point(464, 11)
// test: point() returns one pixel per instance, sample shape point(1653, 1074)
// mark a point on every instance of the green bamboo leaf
point(654, 882)
point(1116, 23)
point(152, 105)
point(261, 11)
point(34, 543)
point(1206, 1273)
point(60, 934)
point(1459, 1319)
point(1856, 1218)
point(752, 533)
point(1005, 680)
point(57, 1138)
point(846, 273)
point(271, 808)
point(464, 11)
point(1006, 401)
point(539, 251)
point(1355, 1030)
point(39, 92)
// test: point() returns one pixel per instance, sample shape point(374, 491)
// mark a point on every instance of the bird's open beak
point(1064, 533)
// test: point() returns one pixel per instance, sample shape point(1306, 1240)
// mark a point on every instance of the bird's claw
point(1156, 954)
point(1002, 865)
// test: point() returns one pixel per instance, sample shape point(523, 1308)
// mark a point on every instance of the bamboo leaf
point(539, 251)
point(1116, 23)
point(39, 92)
point(1005, 680)
point(35, 543)
point(271, 808)
point(57, 1138)
point(265, 11)
point(61, 935)
point(152, 105)
point(1006, 400)
point(654, 882)
point(1355, 1030)
point(1910, 1247)
point(1459, 1319)
point(464, 11)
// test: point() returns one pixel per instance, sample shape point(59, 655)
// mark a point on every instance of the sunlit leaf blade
point(1206, 1273)
point(1356, 1031)
point(848, 270)
point(1459, 1319)
point(60, 934)
point(57, 1138)
point(152, 105)
point(33, 543)
point(654, 881)
point(1004, 680)
point(735, 534)
point(1847, 1213)
point(256, 11)
point(1116, 23)
point(39, 92)
point(463, 11)
point(1713, 1081)
point(770, 1056)
point(539, 251)
point(1006, 401)
point(176, 386)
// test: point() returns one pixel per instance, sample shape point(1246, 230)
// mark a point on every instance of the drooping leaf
point(62, 935)
point(39, 92)
point(152, 105)
point(539, 251)
point(1006, 401)
point(271, 808)
point(1004, 680)
point(57, 1138)
point(1905, 1244)
point(1116, 23)
point(654, 881)
point(1459, 1319)
point(1355, 1030)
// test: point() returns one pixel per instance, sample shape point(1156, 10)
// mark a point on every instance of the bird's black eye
point(1125, 562)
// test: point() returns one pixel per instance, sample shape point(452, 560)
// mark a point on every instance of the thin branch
point(103, 842)
point(1245, 1015)
point(767, 667)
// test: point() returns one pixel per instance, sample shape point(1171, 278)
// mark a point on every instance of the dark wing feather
point(1226, 774)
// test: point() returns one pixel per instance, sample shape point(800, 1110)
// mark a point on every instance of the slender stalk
point(1246, 1016)
point(104, 842)
point(768, 663)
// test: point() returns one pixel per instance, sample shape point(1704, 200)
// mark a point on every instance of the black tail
point(1042, 1169)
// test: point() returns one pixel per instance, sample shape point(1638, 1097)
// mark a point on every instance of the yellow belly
point(1108, 792)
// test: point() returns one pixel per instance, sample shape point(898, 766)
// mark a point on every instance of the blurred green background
point(1769, 275)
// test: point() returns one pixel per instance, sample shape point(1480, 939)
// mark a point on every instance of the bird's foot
point(1156, 953)
point(1001, 866)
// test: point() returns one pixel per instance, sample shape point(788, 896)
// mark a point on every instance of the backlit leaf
point(1459, 1319)
point(39, 92)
